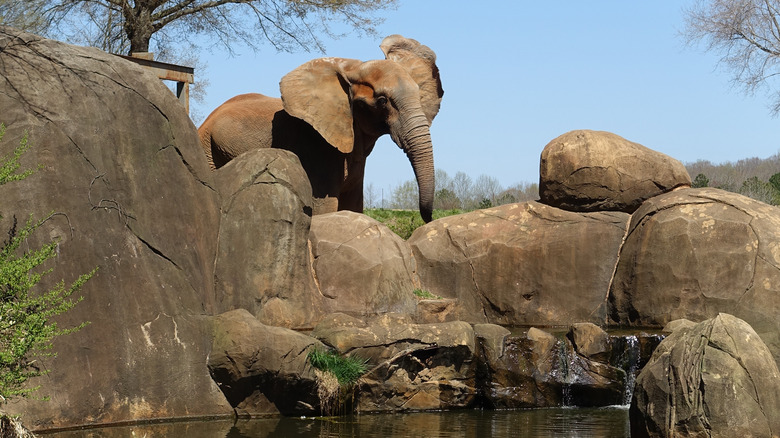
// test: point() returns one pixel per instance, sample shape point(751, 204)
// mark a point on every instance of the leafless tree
point(405, 196)
point(487, 187)
point(126, 26)
point(746, 33)
point(369, 196)
point(22, 15)
point(462, 186)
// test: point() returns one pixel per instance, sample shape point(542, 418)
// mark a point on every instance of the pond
point(609, 422)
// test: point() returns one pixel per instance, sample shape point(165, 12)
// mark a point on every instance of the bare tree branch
point(747, 34)
point(134, 25)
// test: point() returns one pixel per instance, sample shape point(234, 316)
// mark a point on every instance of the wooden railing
point(183, 76)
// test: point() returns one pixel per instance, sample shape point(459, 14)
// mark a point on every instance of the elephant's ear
point(318, 93)
point(420, 61)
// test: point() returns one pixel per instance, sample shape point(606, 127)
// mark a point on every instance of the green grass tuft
point(424, 294)
point(347, 369)
point(404, 222)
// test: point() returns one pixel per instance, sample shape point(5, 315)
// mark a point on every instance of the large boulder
point(263, 370)
point(263, 256)
point(133, 195)
point(714, 379)
point(521, 264)
point(413, 366)
point(597, 171)
point(693, 253)
point(362, 268)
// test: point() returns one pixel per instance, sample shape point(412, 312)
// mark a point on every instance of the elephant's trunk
point(415, 140)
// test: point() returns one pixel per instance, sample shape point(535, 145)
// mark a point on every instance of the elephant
point(331, 113)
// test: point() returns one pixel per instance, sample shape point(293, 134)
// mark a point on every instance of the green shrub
point(424, 294)
point(26, 326)
point(404, 222)
point(347, 369)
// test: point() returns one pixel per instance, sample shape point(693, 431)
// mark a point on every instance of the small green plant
point(347, 369)
point(404, 222)
point(26, 326)
point(425, 295)
point(10, 164)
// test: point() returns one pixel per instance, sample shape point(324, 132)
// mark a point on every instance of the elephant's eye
point(381, 101)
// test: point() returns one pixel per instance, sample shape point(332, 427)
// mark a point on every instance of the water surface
point(611, 422)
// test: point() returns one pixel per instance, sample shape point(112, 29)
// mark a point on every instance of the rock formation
point(362, 267)
point(413, 366)
point(600, 171)
point(262, 262)
point(587, 367)
point(694, 253)
point(134, 197)
point(714, 379)
point(199, 271)
point(521, 264)
point(262, 369)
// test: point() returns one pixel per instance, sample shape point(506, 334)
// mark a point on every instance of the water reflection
point(542, 423)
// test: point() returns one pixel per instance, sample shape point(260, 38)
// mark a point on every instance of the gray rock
point(123, 170)
point(263, 369)
point(263, 257)
point(413, 366)
point(599, 171)
point(693, 253)
point(542, 370)
point(362, 267)
point(715, 379)
point(590, 341)
point(521, 264)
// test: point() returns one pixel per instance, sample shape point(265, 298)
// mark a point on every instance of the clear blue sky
point(518, 74)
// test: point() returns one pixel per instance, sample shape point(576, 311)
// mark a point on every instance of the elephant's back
point(246, 106)
point(240, 124)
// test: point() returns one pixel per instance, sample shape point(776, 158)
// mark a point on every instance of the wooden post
point(183, 76)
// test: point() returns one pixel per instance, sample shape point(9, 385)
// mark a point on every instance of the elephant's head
point(352, 103)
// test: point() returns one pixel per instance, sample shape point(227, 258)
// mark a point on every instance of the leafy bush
point(424, 294)
point(347, 369)
point(404, 222)
point(26, 326)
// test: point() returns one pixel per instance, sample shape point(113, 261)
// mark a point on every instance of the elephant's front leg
point(351, 195)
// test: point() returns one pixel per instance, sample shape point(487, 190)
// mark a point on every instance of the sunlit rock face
point(693, 253)
point(522, 264)
point(715, 378)
point(362, 268)
point(262, 262)
point(600, 171)
point(121, 166)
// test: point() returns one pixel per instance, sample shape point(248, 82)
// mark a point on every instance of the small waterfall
point(566, 375)
point(630, 353)
point(628, 361)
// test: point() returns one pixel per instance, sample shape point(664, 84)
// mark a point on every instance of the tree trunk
point(138, 26)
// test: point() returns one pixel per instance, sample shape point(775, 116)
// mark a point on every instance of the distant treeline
point(459, 192)
point(753, 177)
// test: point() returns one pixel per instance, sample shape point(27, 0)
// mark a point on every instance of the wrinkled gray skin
point(331, 113)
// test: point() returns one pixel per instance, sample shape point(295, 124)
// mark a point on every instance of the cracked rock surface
point(262, 262)
point(712, 379)
point(263, 369)
point(599, 171)
point(412, 366)
point(362, 267)
point(522, 264)
point(121, 167)
point(693, 253)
